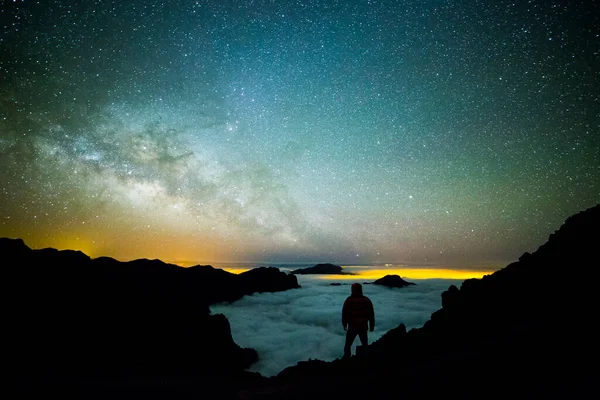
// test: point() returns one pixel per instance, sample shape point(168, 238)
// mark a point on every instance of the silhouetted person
point(357, 316)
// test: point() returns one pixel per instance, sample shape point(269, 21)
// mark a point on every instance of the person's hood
point(357, 289)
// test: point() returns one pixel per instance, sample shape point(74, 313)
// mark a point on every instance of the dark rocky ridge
point(321, 269)
point(520, 332)
point(75, 319)
point(393, 281)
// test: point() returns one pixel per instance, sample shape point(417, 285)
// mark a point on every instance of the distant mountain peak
point(392, 281)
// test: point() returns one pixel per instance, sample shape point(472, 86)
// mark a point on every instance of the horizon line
point(482, 266)
point(485, 266)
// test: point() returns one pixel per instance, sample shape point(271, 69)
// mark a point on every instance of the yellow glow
point(185, 264)
point(236, 270)
point(77, 244)
point(411, 273)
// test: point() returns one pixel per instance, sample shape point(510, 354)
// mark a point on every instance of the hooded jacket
point(358, 312)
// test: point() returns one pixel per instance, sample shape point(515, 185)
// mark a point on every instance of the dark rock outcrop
point(393, 281)
point(70, 318)
point(266, 279)
point(322, 269)
point(516, 331)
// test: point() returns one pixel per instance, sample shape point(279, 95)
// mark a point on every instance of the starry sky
point(450, 133)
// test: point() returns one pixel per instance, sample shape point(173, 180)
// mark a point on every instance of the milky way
point(441, 132)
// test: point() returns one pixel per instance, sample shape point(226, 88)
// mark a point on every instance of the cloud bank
point(295, 325)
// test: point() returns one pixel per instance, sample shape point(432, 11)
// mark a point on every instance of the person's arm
point(371, 316)
point(345, 315)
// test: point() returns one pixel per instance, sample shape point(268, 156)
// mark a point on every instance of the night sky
point(455, 133)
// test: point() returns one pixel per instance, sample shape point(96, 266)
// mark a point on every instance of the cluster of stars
point(441, 132)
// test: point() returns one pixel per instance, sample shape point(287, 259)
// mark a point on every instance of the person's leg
point(350, 336)
point(364, 341)
point(364, 338)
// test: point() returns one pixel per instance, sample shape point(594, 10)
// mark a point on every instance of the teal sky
point(448, 132)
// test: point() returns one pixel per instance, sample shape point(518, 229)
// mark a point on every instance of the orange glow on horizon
point(377, 273)
point(236, 270)
point(411, 273)
point(75, 244)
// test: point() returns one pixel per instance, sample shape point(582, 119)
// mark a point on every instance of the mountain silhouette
point(72, 322)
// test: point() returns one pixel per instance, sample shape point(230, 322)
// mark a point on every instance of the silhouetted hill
point(526, 331)
point(393, 281)
point(322, 269)
point(75, 319)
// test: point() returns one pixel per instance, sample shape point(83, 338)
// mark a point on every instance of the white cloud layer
point(295, 325)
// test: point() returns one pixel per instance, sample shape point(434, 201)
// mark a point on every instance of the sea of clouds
point(299, 324)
